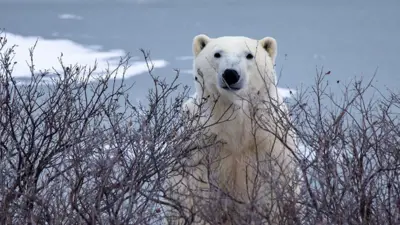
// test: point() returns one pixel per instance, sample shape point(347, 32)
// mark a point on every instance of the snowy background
point(349, 38)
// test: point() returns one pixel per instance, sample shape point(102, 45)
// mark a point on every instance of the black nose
point(230, 76)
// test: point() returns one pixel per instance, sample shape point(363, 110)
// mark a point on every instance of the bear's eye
point(249, 56)
point(217, 55)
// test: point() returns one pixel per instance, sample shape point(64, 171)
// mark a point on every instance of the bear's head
point(233, 65)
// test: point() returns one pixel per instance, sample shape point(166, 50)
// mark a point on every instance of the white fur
point(244, 144)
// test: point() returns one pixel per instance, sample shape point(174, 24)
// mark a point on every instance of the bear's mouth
point(230, 88)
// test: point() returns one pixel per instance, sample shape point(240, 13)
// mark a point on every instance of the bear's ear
point(199, 42)
point(270, 45)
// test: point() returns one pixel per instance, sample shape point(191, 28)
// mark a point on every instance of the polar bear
point(238, 103)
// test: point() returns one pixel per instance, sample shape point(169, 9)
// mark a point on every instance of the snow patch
point(67, 16)
point(47, 52)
